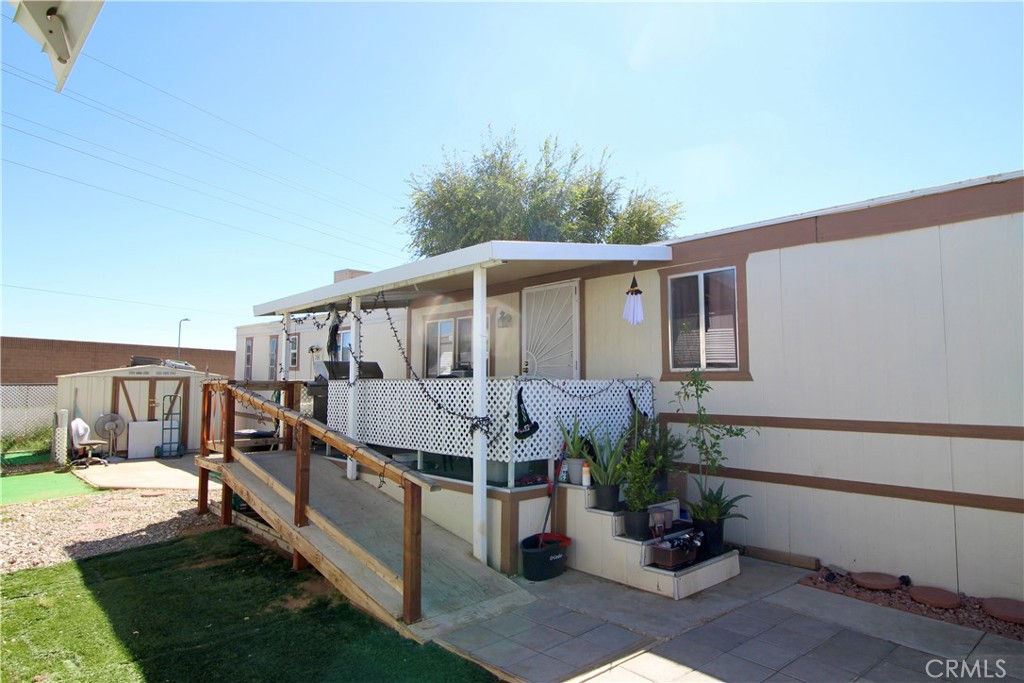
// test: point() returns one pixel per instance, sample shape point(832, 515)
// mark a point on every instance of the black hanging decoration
point(527, 427)
point(632, 404)
point(333, 348)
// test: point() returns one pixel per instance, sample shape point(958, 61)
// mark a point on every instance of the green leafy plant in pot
point(712, 506)
point(662, 446)
point(640, 491)
point(577, 446)
point(607, 471)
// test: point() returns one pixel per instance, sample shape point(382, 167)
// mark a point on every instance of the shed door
point(551, 331)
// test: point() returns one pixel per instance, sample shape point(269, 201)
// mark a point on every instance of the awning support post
point(355, 354)
point(480, 410)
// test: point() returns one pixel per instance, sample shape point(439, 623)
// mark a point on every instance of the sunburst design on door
point(550, 331)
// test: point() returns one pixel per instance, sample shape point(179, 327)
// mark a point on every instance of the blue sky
point(288, 133)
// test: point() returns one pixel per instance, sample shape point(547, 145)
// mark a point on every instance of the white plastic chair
point(83, 445)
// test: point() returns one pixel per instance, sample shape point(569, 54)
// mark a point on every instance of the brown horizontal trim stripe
point(941, 429)
point(912, 213)
point(971, 203)
point(504, 495)
point(970, 500)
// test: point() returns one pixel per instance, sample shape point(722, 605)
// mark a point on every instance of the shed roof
point(452, 272)
point(144, 371)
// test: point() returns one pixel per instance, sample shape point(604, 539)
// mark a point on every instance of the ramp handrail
point(304, 427)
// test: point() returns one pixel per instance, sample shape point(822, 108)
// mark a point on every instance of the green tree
point(496, 195)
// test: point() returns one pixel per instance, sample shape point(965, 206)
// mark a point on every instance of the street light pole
point(183, 320)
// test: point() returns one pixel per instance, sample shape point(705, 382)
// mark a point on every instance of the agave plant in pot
point(640, 491)
point(577, 445)
point(712, 506)
point(606, 471)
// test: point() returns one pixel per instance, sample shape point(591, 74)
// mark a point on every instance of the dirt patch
point(215, 562)
point(969, 613)
point(310, 590)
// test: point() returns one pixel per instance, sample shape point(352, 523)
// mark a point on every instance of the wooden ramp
point(355, 539)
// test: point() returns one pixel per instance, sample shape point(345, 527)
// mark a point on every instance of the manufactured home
point(876, 346)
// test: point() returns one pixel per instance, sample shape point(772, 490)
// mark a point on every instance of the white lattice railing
point(398, 413)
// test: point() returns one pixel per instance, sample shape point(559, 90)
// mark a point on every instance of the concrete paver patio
point(759, 626)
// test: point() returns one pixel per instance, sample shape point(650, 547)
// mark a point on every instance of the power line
point(108, 298)
point(185, 187)
point(184, 213)
point(191, 144)
point(188, 177)
point(244, 130)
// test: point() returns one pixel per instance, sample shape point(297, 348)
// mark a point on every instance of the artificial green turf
point(23, 488)
point(208, 608)
point(24, 458)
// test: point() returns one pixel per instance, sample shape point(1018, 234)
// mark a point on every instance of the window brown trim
point(742, 373)
point(298, 350)
point(274, 360)
point(454, 317)
point(248, 357)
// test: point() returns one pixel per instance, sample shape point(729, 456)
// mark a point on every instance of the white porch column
point(480, 410)
point(353, 373)
point(283, 347)
point(284, 360)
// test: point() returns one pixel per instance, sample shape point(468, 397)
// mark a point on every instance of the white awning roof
point(453, 272)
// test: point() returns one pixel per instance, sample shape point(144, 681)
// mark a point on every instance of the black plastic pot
point(544, 556)
point(711, 544)
point(637, 525)
point(606, 497)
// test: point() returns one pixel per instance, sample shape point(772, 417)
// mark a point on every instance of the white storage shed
point(157, 403)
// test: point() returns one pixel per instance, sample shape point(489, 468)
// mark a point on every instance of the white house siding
point(621, 350)
point(922, 326)
point(504, 341)
point(378, 346)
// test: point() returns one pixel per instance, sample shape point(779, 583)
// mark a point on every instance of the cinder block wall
point(24, 360)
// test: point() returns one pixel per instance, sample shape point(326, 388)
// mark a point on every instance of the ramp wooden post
point(204, 490)
point(229, 444)
point(204, 428)
point(204, 451)
point(302, 476)
point(412, 556)
point(229, 426)
point(302, 449)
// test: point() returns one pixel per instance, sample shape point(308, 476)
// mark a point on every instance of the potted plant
point(577, 445)
point(640, 491)
point(712, 506)
point(660, 441)
point(606, 471)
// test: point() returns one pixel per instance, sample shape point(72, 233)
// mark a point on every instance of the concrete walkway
point(144, 473)
point(759, 626)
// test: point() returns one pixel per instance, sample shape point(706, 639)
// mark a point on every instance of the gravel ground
point(46, 532)
point(970, 612)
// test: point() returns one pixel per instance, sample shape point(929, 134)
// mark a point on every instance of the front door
point(551, 331)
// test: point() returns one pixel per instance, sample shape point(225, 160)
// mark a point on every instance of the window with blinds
point(703, 320)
